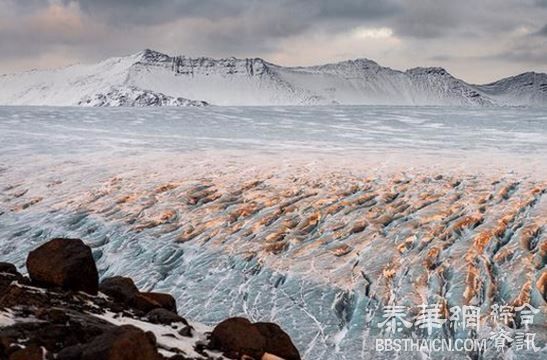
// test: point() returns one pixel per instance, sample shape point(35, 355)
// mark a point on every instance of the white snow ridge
point(150, 78)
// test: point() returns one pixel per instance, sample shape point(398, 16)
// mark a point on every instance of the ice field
point(313, 217)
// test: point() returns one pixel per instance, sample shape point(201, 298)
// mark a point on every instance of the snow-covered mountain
point(150, 78)
point(529, 88)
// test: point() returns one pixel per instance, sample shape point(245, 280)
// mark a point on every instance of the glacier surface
point(313, 217)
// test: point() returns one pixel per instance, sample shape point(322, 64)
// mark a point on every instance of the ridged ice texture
point(236, 212)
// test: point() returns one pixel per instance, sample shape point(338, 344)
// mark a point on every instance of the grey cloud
point(542, 31)
point(429, 19)
point(145, 12)
point(529, 52)
point(139, 12)
point(425, 29)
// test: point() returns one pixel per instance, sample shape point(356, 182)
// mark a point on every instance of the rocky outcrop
point(135, 97)
point(123, 289)
point(277, 341)
point(8, 268)
point(120, 343)
point(56, 315)
point(237, 337)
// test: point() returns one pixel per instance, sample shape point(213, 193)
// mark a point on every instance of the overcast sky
point(476, 40)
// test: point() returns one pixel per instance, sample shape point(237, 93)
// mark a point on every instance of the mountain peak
point(150, 77)
point(432, 70)
point(364, 61)
point(355, 64)
point(149, 55)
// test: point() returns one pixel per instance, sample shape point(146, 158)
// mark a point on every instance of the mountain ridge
point(152, 78)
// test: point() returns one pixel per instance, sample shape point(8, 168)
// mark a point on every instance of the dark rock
point(53, 337)
point(8, 268)
point(65, 263)
point(6, 347)
point(31, 352)
point(186, 331)
point(5, 281)
point(71, 353)
point(123, 289)
point(14, 296)
point(165, 301)
point(57, 316)
point(178, 357)
point(163, 316)
point(144, 304)
point(277, 341)
point(119, 288)
point(121, 343)
point(237, 337)
point(8, 274)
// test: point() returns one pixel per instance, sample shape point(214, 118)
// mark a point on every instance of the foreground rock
point(237, 337)
point(56, 315)
point(64, 263)
point(122, 342)
point(124, 290)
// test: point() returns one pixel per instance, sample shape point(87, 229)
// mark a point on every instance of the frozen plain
point(313, 217)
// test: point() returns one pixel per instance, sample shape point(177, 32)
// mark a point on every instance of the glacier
point(313, 217)
point(150, 78)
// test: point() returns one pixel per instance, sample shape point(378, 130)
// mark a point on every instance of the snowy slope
point(529, 88)
point(150, 78)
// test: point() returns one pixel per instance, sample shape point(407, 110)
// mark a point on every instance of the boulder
point(165, 301)
point(121, 343)
point(278, 342)
point(8, 268)
point(144, 304)
point(17, 296)
point(164, 316)
point(186, 331)
point(119, 288)
point(32, 352)
point(64, 263)
point(8, 274)
point(123, 289)
point(237, 337)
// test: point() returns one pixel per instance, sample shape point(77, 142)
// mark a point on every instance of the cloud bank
point(476, 40)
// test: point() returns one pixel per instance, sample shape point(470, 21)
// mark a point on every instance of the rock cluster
point(62, 312)
point(238, 336)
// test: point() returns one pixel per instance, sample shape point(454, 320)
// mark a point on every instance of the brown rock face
point(8, 274)
point(121, 343)
point(119, 288)
point(8, 268)
point(237, 337)
point(32, 352)
point(164, 316)
point(65, 263)
point(165, 301)
point(123, 289)
point(277, 341)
